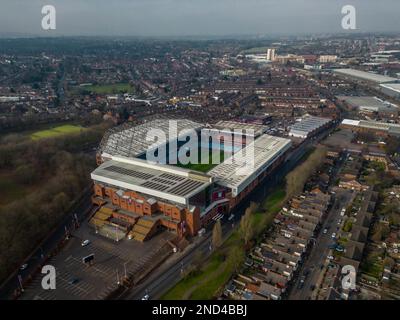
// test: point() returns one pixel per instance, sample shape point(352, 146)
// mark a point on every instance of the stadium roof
point(161, 181)
point(247, 128)
point(132, 142)
point(233, 173)
point(368, 76)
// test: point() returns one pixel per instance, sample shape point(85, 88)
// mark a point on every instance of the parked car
point(85, 243)
point(146, 297)
point(330, 257)
point(301, 282)
point(231, 217)
point(23, 267)
point(333, 235)
point(73, 281)
point(325, 231)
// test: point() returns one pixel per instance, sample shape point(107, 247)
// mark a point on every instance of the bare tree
point(217, 235)
point(246, 226)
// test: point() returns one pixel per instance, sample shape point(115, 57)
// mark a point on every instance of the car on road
point(73, 281)
point(201, 231)
point(333, 235)
point(146, 297)
point(339, 248)
point(23, 267)
point(301, 283)
point(231, 217)
point(85, 243)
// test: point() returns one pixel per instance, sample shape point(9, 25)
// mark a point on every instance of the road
point(317, 256)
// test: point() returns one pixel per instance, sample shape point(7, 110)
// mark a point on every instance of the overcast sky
point(196, 17)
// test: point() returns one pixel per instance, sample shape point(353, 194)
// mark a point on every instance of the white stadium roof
point(157, 180)
point(233, 173)
point(132, 142)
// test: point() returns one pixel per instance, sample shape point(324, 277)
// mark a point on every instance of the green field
point(56, 131)
point(203, 167)
point(107, 88)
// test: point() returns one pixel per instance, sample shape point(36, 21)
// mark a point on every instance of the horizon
point(177, 18)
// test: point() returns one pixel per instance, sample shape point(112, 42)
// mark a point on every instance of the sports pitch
point(56, 131)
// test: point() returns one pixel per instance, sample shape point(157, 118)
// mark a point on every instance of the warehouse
point(381, 128)
point(364, 76)
point(308, 126)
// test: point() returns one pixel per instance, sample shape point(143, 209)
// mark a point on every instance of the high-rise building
point(270, 54)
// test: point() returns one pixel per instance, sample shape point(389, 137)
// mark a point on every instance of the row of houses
point(271, 266)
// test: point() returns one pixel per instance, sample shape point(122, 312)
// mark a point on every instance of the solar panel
point(172, 177)
point(155, 186)
point(130, 172)
point(185, 187)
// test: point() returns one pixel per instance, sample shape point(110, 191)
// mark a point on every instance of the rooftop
point(393, 128)
point(248, 128)
point(161, 181)
point(234, 173)
point(309, 123)
point(368, 76)
point(132, 142)
point(368, 103)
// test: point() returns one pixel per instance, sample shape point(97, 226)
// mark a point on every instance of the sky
point(195, 17)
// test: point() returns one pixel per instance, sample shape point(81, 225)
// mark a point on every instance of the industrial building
point(365, 76)
point(391, 89)
point(381, 128)
point(369, 104)
point(139, 198)
point(308, 126)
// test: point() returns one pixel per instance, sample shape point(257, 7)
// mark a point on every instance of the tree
point(217, 235)
point(246, 226)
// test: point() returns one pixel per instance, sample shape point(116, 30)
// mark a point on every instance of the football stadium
point(191, 176)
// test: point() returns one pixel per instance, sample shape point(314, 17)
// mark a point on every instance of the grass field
point(56, 131)
point(203, 167)
point(108, 88)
